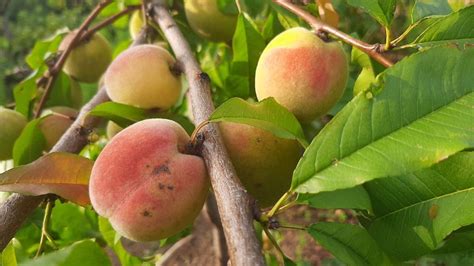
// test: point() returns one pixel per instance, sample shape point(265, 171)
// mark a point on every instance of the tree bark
point(234, 204)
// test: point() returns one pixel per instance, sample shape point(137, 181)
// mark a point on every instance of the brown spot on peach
point(161, 169)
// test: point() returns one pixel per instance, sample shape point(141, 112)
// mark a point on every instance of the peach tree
point(163, 131)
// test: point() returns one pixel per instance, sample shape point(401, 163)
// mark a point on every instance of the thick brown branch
point(16, 209)
point(233, 202)
point(319, 26)
point(52, 73)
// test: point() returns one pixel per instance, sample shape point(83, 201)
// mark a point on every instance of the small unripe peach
point(145, 183)
point(87, 61)
point(135, 24)
point(208, 21)
point(302, 72)
point(55, 124)
point(143, 76)
point(263, 162)
point(12, 124)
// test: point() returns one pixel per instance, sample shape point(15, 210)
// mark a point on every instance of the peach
point(88, 61)
point(208, 21)
point(12, 125)
point(143, 76)
point(145, 183)
point(302, 72)
point(57, 120)
point(264, 162)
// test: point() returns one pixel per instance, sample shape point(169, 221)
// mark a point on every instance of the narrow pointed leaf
point(423, 114)
point(266, 114)
point(456, 28)
point(349, 243)
point(415, 212)
point(63, 174)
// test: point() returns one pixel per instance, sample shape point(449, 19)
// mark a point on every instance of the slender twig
point(373, 50)
point(88, 33)
point(234, 203)
point(44, 228)
point(51, 73)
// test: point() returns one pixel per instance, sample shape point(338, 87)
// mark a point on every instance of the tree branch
point(17, 208)
point(52, 73)
point(372, 50)
point(233, 202)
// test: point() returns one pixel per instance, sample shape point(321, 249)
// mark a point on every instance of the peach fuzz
point(144, 183)
point(302, 72)
point(263, 162)
point(142, 76)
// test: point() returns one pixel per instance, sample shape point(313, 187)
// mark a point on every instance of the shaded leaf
point(8, 255)
point(349, 198)
point(381, 10)
point(247, 45)
point(424, 8)
point(125, 115)
point(422, 116)
point(30, 145)
point(349, 243)
point(85, 252)
point(63, 174)
point(266, 114)
point(456, 28)
point(424, 207)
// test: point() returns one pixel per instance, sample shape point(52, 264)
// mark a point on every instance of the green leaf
point(8, 255)
point(381, 10)
point(456, 28)
point(125, 115)
point(367, 75)
point(227, 7)
point(65, 92)
point(85, 252)
point(122, 114)
point(424, 8)
point(71, 224)
point(42, 50)
point(25, 92)
point(30, 144)
point(272, 26)
point(349, 198)
point(247, 46)
point(287, 19)
point(459, 241)
point(349, 243)
point(423, 207)
point(110, 236)
point(422, 116)
point(267, 114)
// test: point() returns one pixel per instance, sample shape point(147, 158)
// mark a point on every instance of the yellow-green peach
point(263, 162)
point(12, 125)
point(302, 72)
point(143, 76)
point(87, 61)
point(208, 21)
point(145, 183)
